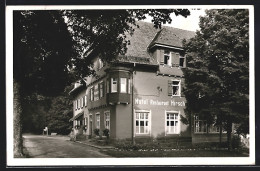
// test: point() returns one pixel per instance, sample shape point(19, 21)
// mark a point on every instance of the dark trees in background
point(45, 47)
point(217, 76)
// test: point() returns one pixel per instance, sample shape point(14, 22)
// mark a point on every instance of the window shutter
point(175, 59)
point(172, 58)
point(161, 56)
point(169, 88)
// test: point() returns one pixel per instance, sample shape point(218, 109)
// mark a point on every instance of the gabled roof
point(146, 36)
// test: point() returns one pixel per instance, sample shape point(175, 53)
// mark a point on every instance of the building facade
point(140, 95)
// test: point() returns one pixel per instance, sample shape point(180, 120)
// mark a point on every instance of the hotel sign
point(158, 103)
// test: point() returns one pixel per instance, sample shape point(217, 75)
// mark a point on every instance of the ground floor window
point(200, 125)
point(142, 122)
point(107, 120)
point(97, 121)
point(172, 123)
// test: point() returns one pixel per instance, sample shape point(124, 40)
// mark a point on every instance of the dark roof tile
point(146, 35)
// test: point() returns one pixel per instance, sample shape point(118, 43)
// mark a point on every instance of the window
point(181, 61)
point(100, 64)
point(101, 89)
point(82, 102)
point(142, 123)
point(107, 120)
point(91, 94)
point(167, 58)
point(96, 92)
point(129, 86)
point(174, 88)
point(123, 85)
point(86, 100)
point(113, 85)
point(172, 123)
point(75, 104)
point(78, 103)
point(97, 121)
point(200, 125)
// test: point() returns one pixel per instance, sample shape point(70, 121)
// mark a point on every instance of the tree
point(60, 113)
point(217, 77)
point(44, 48)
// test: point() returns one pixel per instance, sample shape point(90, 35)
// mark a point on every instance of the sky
point(190, 23)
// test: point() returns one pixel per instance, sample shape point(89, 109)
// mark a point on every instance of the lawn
point(175, 153)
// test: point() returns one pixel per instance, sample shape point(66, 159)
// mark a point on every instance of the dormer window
point(100, 64)
point(167, 58)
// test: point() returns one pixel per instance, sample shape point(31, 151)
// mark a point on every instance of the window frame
point(107, 120)
point(179, 89)
point(86, 100)
point(101, 94)
point(91, 93)
point(169, 60)
point(82, 102)
point(78, 104)
point(198, 126)
point(100, 64)
point(181, 57)
point(97, 121)
point(112, 81)
point(129, 86)
point(149, 112)
point(125, 85)
point(178, 127)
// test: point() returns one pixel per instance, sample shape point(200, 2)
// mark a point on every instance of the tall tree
point(60, 112)
point(217, 77)
point(44, 48)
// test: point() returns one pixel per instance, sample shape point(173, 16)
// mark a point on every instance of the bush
point(96, 132)
point(128, 145)
point(106, 132)
point(236, 142)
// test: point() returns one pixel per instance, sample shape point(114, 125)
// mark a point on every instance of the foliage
point(96, 131)
point(217, 77)
point(60, 112)
point(236, 142)
point(106, 132)
point(43, 49)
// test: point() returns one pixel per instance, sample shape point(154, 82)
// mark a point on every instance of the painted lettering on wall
point(159, 103)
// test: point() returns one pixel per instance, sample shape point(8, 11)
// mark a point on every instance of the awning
point(77, 116)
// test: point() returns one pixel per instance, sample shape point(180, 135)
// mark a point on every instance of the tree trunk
point(229, 137)
point(17, 127)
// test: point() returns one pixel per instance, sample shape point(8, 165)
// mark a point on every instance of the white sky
point(190, 23)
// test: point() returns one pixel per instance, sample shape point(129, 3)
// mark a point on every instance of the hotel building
point(139, 95)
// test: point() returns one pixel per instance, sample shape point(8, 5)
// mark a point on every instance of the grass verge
point(176, 153)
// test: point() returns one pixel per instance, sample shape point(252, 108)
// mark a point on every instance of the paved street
point(37, 146)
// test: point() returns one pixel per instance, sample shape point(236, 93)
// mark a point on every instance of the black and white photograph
point(130, 85)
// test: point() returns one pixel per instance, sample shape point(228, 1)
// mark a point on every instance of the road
point(38, 146)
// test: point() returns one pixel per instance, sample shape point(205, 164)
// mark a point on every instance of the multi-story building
point(140, 95)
